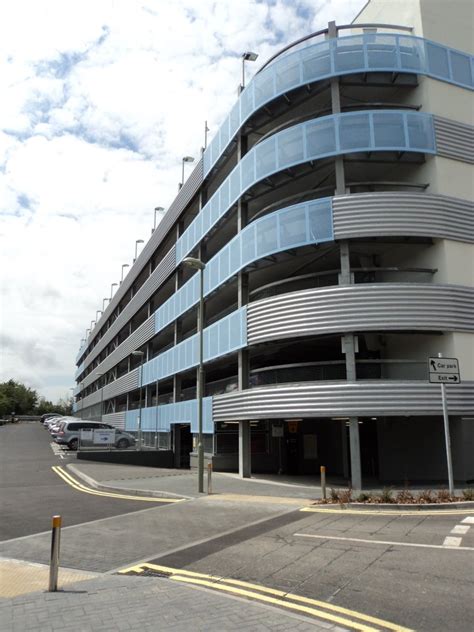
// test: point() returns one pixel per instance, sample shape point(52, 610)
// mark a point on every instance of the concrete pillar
point(356, 470)
point(244, 449)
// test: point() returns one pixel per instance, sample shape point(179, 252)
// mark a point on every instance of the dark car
point(47, 416)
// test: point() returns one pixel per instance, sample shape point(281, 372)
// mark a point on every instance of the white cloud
point(100, 100)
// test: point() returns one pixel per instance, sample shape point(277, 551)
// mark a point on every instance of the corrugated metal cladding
point(454, 140)
point(115, 419)
point(408, 214)
point(186, 193)
point(154, 281)
point(361, 308)
point(139, 337)
point(124, 384)
point(342, 398)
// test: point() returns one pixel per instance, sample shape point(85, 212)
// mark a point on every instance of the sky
point(100, 100)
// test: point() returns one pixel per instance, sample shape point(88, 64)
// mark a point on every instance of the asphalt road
point(30, 492)
point(396, 567)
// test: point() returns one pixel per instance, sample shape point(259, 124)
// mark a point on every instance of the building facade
point(334, 213)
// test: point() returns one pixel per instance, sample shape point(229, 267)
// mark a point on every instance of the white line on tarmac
point(450, 541)
point(468, 520)
point(460, 529)
point(423, 546)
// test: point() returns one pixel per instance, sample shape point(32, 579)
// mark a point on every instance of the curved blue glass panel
point(377, 52)
point(298, 225)
point(374, 130)
point(161, 418)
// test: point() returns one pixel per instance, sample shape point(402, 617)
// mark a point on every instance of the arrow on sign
point(454, 378)
point(433, 364)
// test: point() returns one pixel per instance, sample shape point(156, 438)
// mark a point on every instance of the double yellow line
point(320, 609)
point(74, 483)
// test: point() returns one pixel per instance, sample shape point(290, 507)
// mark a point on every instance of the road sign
point(444, 370)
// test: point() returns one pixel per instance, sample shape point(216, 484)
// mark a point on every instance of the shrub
point(444, 496)
point(363, 497)
point(468, 494)
point(405, 497)
point(386, 495)
point(426, 496)
point(334, 495)
point(345, 496)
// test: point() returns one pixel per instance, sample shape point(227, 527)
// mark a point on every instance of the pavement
point(96, 598)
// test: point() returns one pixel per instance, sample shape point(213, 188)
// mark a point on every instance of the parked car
point(69, 433)
point(47, 416)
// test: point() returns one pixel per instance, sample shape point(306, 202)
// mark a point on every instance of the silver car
point(69, 431)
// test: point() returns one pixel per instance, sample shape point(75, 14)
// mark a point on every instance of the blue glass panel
point(437, 59)
point(320, 138)
point(265, 158)
point(235, 254)
point(382, 54)
point(235, 184)
point(348, 54)
point(320, 221)
point(461, 68)
point(267, 237)
point(215, 208)
point(247, 169)
point(388, 130)
point(206, 222)
point(248, 245)
point(223, 336)
point(290, 146)
point(293, 227)
point(411, 54)
point(420, 132)
point(287, 73)
point(225, 193)
point(224, 262)
point(246, 102)
point(224, 134)
point(206, 160)
point(316, 62)
point(264, 86)
point(234, 119)
point(354, 131)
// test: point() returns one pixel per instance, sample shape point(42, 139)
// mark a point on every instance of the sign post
point(445, 371)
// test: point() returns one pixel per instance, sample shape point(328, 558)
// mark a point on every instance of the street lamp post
point(197, 264)
point(137, 241)
point(140, 354)
point(158, 209)
point(98, 312)
point(124, 265)
point(103, 302)
point(112, 290)
point(248, 56)
point(183, 160)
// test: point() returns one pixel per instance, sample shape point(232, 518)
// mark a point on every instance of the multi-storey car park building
point(333, 211)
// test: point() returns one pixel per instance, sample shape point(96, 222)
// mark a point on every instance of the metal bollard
point(54, 563)
point(323, 480)
point(209, 478)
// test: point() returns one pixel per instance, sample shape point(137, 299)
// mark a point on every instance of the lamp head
point(192, 262)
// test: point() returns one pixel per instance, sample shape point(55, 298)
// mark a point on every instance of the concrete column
point(244, 449)
point(356, 470)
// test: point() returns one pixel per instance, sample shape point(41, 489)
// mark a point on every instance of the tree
point(17, 398)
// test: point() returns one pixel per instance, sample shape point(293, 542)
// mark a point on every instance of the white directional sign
point(444, 370)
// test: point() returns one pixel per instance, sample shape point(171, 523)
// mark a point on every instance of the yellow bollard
point(323, 480)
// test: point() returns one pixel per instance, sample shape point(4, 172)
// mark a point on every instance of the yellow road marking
point(279, 597)
point(373, 512)
point(72, 482)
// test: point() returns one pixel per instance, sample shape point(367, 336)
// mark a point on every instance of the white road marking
point(450, 541)
point(454, 547)
point(58, 451)
point(468, 520)
point(460, 529)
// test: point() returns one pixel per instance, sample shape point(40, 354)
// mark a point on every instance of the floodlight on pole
point(103, 302)
point(97, 315)
point(158, 209)
point(248, 56)
point(137, 241)
point(112, 290)
point(124, 265)
point(197, 264)
point(183, 160)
